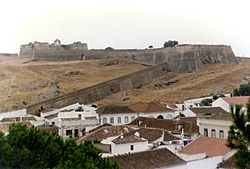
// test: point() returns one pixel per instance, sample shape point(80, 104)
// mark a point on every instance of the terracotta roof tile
point(241, 100)
point(189, 124)
point(152, 134)
point(105, 132)
point(203, 111)
point(211, 146)
point(226, 117)
point(148, 107)
point(114, 109)
point(124, 139)
point(157, 158)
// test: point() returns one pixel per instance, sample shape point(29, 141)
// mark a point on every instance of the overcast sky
point(125, 23)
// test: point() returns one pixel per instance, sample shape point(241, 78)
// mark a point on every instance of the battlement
point(44, 47)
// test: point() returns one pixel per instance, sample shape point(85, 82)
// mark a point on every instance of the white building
point(216, 125)
point(128, 144)
point(226, 102)
point(73, 121)
point(118, 115)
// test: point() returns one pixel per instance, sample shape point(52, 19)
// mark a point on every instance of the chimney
point(79, 116)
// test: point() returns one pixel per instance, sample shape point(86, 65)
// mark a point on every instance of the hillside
point(23, 82)
point(211, 79)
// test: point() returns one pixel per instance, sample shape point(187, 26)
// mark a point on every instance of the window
point(111, 120)
point(132, 118)
point(205, 132)
point(221, 134)
point(213, 133)
point(131, 147)
point(119, 120)
point(126, 119)
point(68, 132)
point(104, 120)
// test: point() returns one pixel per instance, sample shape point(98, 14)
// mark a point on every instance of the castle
point(182, 58)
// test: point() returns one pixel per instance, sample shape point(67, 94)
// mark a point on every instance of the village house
point(205, 152)
point(72, 121)
point(215, 125)
point(127, 139)
point(153, 110)
point(226, 102)
point(156, 158)
point(115, 115)
point(118, 115)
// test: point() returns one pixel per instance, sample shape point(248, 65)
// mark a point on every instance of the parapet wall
point(101, 90)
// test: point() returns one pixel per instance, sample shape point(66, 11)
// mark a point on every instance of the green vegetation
point(170, 43)
point(244, 90)
point(27, 147)
point(109, 48)
point(207, 102)
point(239, 135)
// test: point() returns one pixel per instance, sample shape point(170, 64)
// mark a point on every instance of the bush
point(244, 90)
point(170, 43)
point(109, 48)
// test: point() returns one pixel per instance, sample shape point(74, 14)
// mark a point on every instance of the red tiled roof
point(124, 139)
point(241, 100)
point(114, 109)
point(148, 107)
point(211, 146)
point(153, 134)
point(226, 117)
point(189, 124)
point(157, 158)
point(204, 111)
point(105, 132)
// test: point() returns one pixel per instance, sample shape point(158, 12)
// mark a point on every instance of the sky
point(124, 24)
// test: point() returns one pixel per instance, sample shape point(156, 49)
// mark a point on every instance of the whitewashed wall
point(125, 148)
point(221, 103)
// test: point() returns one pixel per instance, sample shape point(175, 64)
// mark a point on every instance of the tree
point(244, 90)
point(109, 48)
point(170, 43)
point(27, 147)
point(239, 135)
point(207, 102)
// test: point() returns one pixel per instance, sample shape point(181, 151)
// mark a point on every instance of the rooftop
point(204, 111)
point(211, 146)
point(157, 158)
point(106, 131)
point(152, 134)
point(240, 100)
point(114, 109)
point(148, 107)
point(124, 139)
point(225, 117)
point(189, 124)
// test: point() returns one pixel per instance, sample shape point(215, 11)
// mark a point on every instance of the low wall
point(101, 90)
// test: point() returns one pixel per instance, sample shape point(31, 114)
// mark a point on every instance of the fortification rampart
point(102, 90)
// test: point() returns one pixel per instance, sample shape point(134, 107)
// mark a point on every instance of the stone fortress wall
point(102, 90)
point(182, 58)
